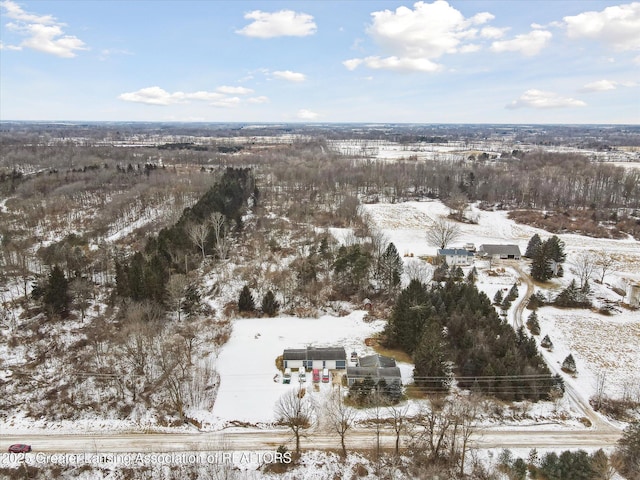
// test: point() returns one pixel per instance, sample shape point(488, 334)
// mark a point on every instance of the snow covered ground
point(608, 345)
point(251, 384)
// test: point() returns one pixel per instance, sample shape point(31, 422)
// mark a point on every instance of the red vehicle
point(316, 375)
point(19, 448)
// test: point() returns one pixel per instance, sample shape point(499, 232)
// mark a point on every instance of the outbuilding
point(389, 374)
point(505, 252)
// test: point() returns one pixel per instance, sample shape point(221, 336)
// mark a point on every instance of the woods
point(455, 324)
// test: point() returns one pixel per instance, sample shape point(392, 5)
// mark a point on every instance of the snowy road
point(269, 440)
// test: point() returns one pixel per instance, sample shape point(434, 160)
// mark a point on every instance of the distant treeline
point(201, 148)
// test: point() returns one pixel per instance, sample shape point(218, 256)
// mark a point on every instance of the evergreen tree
point(569, 364)
point(535, 301)
point(506, 304)
point(532, 324)
point(550, 466)
point(431, 371)
point(270, 305)
point(391, 268)
point(627, 453)
point(513, 293)
point(192, 300)
point(56, 296)
point(547, 343)
point(575, 465)
point(246, 302)
point(351, 268)
point(572, 296)
point(533, 246)
point(541, 269)
point(408, 317)
point(555, 249)
point(441, 272)
point(457, 273)
point(497, 298)
point(473, 275)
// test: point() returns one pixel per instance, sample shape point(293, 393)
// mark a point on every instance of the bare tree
point(198, 234)
point(465, 413)
point(458, 204)
point(441, 233)
point(417, 269)
point(296, 412)
point(375, 402)
point(81, 290)
point(176, 290)
point(341, 417)
point(218, 224)
point(174, 372)
point(584, 266)
point(398, 416)
point(604, 262)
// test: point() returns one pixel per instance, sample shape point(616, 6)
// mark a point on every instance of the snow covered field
point(251, 384)
point(608, 345)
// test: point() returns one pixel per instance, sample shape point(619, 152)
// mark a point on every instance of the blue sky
point(526, 61)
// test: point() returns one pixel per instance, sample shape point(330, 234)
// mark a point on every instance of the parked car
point(325, 375)
point(316, 375)
point(19, 448)
point(286, 378)
point(302, 373)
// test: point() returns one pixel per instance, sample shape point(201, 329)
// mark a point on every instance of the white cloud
point(599, 86)
point(539, 99)
point(43, 33)
point(618, 26)
point(290, 76)
point(604, 85)
point(428, 31)
point(352, 63)
point(9, 47)
point(527, 44)
point(470, 48)
point(150, 96)
point(234, 90)
point(15, 12)
point(158, 96)
point(227, 102)
point(397, 64)
point(493, 33)
point(304, 114)
point(261, 99)
point(413, 38)
point(285, 23)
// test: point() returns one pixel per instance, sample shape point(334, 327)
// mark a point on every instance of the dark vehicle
point(19, 448)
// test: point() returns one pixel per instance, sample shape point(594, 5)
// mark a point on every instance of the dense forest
point(452, 331)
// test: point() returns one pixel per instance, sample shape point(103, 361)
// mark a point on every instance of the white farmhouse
point(456, 256)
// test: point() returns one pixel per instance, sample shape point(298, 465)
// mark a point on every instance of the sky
point(321, 61)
